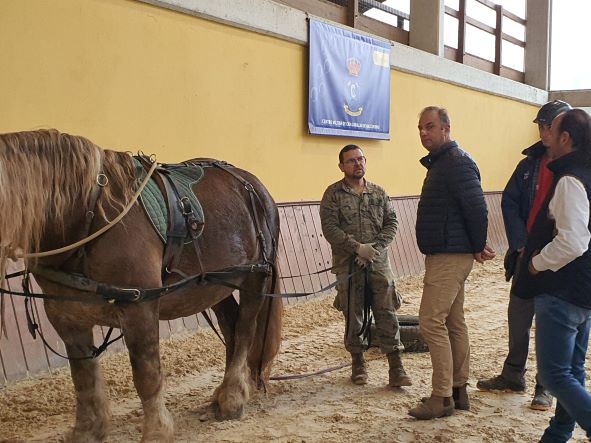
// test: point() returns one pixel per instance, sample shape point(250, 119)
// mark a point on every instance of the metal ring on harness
point(102, 180)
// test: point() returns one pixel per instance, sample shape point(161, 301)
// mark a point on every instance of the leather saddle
point(171, 206)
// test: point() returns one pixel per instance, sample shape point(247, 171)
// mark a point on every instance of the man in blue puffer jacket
point(522, 198)
point(451, 231)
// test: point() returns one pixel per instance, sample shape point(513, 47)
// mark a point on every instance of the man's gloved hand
point(361, 262)
point(367, 252)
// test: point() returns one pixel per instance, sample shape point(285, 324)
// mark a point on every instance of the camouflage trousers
point(369, 291)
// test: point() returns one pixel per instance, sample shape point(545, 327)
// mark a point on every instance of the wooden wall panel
point(302, 251)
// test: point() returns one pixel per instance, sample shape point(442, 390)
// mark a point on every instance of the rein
point(100, 231)
point(104, 293)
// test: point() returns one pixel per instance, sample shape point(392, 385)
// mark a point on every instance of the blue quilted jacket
point(452, 216)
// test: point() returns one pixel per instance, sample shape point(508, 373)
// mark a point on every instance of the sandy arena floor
point(325, 408)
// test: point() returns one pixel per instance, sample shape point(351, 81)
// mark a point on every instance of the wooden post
point(353, 13)
point(498, 39)
point(461, 32)
point(400, 22)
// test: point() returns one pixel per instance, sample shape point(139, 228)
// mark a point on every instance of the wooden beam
point(480, 25)
point(461, 32)
point(498, 39)
point(353, 13)
point(513, 40)
point(514, 17)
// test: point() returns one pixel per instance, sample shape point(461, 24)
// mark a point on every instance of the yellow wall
point(131, 76)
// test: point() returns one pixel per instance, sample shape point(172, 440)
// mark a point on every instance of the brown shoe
point(460, 396)
point(397, 375)
point(461, 399)
point(433, 407)
point(358, 369)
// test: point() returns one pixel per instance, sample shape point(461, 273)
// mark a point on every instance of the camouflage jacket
point(349, 219)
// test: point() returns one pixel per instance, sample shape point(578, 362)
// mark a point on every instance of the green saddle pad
point(154, 202)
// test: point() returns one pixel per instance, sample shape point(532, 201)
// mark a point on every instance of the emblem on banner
point(352, 89)
point(354, 66)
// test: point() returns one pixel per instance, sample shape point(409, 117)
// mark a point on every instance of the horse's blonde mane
point(46, 177)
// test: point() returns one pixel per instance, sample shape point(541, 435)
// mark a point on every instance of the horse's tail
point(267, 338)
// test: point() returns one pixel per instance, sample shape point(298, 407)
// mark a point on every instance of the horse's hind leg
point(234, 391)
point(267, 340)
point(140, 329)
point(92, 409)
point(226, 313)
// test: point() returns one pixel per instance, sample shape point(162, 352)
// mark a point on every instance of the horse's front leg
point(139, 323)
point(92, 406)
point(233, 393)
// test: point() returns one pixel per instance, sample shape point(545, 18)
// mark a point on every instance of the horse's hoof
point(77, 436)
point(228, 415)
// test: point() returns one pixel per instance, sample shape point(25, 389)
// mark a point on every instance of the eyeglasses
point(354, 161)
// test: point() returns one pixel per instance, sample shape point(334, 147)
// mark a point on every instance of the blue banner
point(349, 92)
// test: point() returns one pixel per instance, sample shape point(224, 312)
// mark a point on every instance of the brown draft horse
point(46, 181)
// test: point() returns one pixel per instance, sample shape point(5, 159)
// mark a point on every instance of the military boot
point(358, 369)
point(397, 375)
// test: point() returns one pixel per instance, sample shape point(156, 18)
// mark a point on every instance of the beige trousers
point(441, 320)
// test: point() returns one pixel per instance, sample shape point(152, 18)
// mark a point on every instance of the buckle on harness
point(185, 205)
point(135, 295)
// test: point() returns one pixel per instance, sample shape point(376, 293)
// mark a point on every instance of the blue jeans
point(562, 336)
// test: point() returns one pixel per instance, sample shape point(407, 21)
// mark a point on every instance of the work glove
point(367, 252)
point(361, 262)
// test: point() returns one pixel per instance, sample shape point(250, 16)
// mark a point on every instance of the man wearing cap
point(522, 199)
point(555, 268)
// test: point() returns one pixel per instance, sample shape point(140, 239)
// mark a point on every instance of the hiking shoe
point(542, 400)
point(499, 383)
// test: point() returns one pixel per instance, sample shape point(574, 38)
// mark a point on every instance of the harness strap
point(97, 189)
point(101, 293)
point(34, 329)
point(253, 195)
point(176, 234)
point(113, 294)
point(212, 326)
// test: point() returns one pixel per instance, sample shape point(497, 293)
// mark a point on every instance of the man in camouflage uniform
point(359, 222)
